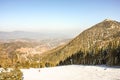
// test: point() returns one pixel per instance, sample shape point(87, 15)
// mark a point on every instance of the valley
point(22, 51)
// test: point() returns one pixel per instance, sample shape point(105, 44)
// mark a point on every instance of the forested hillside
point(99, 44)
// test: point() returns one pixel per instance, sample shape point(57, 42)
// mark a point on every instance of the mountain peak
point(108, 20)
point(91, 45)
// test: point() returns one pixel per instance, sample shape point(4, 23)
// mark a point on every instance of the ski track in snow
point(72, 72)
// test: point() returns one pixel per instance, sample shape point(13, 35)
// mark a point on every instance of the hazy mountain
point(99, 44)
point(31, 35)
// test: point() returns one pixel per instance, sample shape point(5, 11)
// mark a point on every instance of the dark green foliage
point(109, 56)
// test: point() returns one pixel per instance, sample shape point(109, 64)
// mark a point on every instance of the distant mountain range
point(99, 44)
point(30, 35)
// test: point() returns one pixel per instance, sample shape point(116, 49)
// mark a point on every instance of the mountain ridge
point(93, 41)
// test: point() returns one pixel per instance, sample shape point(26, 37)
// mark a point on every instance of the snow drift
point(72, 72)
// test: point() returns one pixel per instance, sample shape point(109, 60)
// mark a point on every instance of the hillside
point(23, 52)
point(99, 44)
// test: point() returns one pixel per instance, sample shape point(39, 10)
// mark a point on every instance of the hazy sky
point(55, 15)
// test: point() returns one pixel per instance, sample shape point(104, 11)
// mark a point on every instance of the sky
point(62, 16)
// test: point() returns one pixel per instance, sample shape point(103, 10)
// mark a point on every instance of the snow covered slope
point(72, 72)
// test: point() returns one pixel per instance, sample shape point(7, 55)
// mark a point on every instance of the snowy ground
point(72, 72)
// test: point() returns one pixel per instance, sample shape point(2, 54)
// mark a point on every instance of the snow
point(7, 70)
point(72, 72)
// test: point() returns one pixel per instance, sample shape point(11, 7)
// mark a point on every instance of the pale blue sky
point(70, 16)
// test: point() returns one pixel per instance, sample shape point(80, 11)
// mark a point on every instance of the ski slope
point(72, 72)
